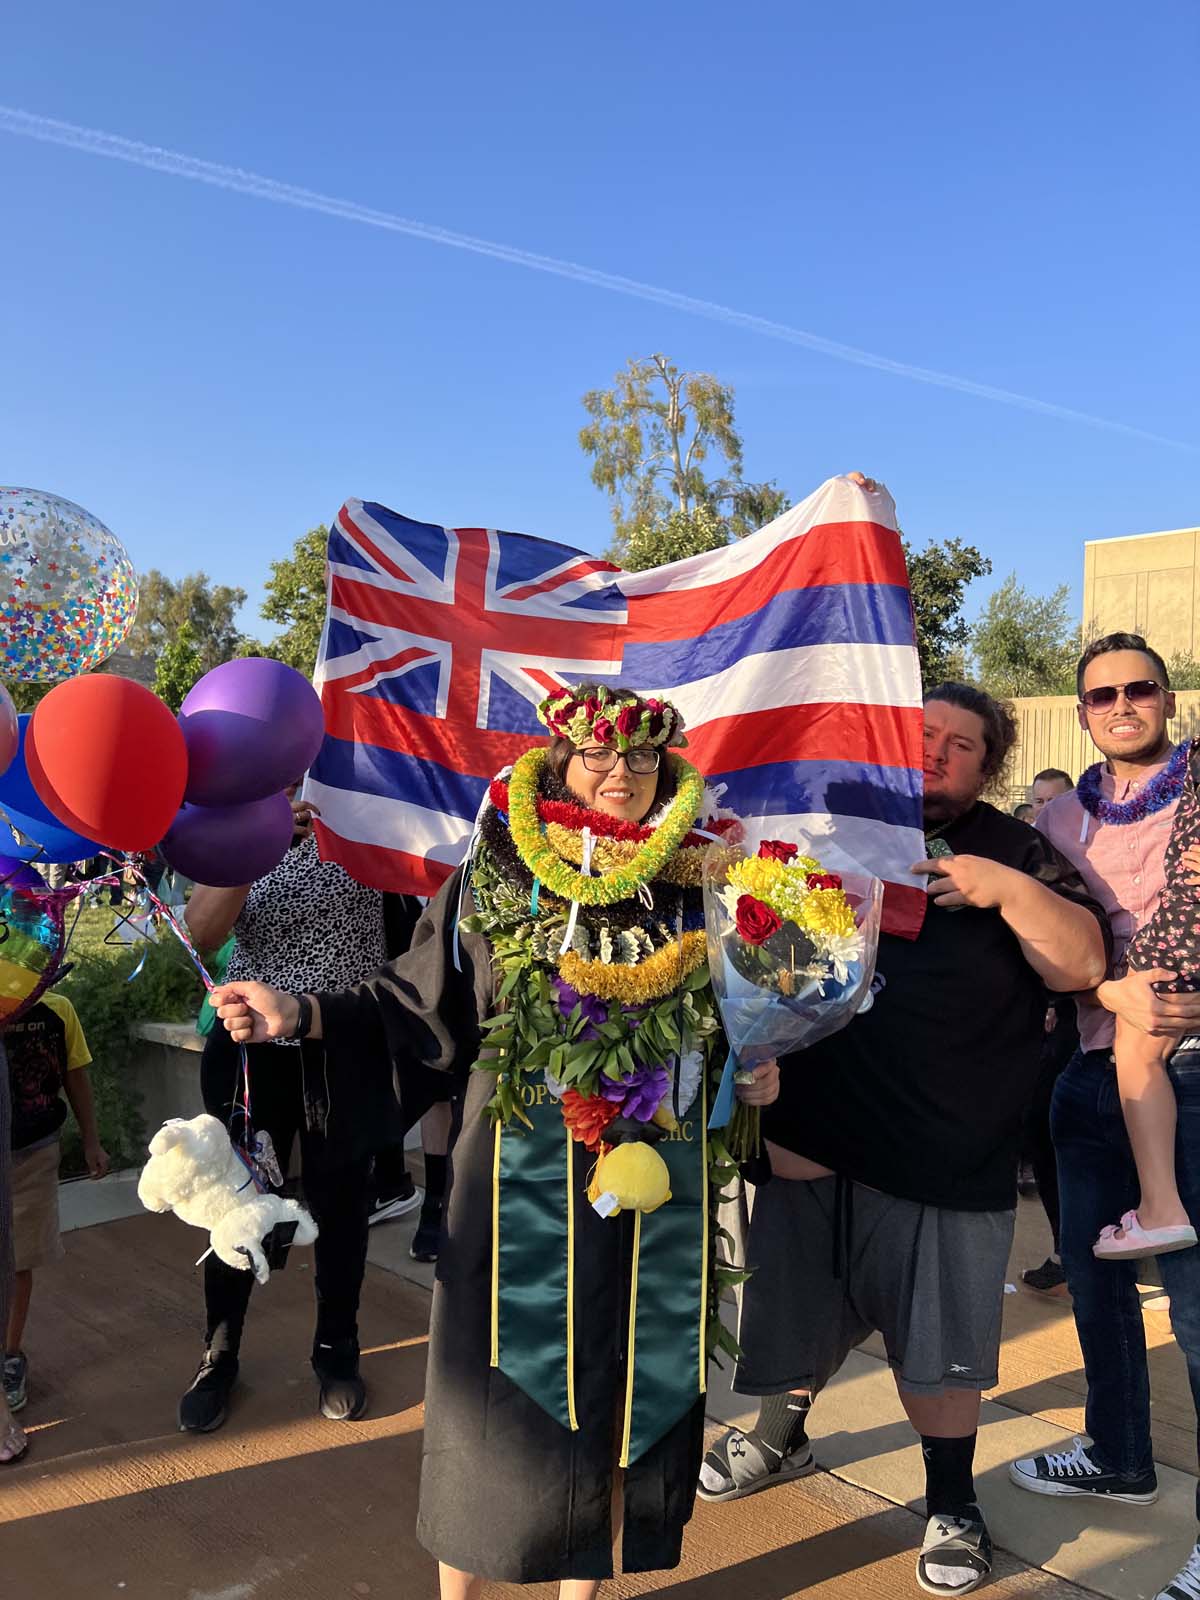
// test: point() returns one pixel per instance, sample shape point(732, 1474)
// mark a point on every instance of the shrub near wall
point(99, 986)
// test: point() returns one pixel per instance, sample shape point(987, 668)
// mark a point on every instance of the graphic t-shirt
point(43, 1046)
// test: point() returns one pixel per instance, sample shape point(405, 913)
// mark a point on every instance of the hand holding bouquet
point(791, 951)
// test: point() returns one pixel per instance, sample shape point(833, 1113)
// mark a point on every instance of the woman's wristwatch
point(303, 1017)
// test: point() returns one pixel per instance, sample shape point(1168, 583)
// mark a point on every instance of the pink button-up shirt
point(1122, 865)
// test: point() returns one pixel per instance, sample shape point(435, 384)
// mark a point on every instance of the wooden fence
point(1050, 736)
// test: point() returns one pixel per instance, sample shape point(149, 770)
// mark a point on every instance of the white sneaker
point(400, 1206)
point(1185, 1585)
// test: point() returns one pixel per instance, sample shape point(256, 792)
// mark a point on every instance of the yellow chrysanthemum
point(826, 911)
point(757, 876)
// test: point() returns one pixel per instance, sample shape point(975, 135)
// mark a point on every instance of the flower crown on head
point(594, 714)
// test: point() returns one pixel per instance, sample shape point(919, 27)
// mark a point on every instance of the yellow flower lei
point(686, 866)
point(649, 980)
point(562, 880)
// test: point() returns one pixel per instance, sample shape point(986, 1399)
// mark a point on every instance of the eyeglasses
point(641, 760)
point(1143, 692)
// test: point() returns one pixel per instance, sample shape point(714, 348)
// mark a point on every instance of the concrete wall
point(1145, 584)
point(1050, 736)
point(164, 1072)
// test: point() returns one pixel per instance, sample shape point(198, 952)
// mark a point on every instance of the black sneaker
point(1049, 1279)
point(16, 1380)
point(343, 1393)
point(428, 1235)
point(388, 1207)
point(206, 1404)
point(1074, 1472)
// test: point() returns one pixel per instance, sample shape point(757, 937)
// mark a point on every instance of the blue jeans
point(1097, 1184)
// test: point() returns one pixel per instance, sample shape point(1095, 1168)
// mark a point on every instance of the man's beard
point(1154, 745)
point(942, 808)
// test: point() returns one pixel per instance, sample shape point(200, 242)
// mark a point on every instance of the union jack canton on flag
point(790, 653)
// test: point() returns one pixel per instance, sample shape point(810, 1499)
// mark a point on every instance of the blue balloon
point(21, 806)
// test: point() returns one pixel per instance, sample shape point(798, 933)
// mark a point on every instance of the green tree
point(296, 599)
point(678, 534)
point(938, 577)
point(166, 604)
point(1183, 670)
point(753, 505)
point(649, 438)
point(178, 667)
point(1025, 644)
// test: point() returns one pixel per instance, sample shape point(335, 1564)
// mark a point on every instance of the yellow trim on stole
point(633, 1294)
point(496, 1249)
point(571, 1283)
point(704, 1233)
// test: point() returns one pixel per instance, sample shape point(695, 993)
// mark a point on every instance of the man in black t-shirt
point(894, 1148)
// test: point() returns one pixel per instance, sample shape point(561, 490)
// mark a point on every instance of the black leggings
point(335, 1192)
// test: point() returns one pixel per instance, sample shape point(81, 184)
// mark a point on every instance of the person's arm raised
point(211, 913)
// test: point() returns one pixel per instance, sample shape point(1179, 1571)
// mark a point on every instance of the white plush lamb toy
point(194, 1171)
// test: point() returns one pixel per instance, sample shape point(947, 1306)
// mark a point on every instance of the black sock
point(949, 1481)
point(435, 1185)
point(781, 1421)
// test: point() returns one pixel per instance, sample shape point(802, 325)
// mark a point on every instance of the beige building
point(1147, 583)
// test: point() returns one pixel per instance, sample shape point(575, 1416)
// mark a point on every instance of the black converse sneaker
point(1074, 1472)
point(1185, 1585)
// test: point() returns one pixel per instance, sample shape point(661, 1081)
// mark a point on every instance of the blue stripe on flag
point(844, 613)
point(845, 788)
point(370, 769)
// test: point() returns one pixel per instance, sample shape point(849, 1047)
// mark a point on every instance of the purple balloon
point(16, 874)
point(251, 727)
point(226, 846)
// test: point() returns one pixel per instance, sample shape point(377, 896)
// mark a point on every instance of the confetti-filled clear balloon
point(68, 591)
point(32, 949)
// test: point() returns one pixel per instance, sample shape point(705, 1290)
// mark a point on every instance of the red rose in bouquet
point(756, 921)
point(776, 850)
point(823, 880)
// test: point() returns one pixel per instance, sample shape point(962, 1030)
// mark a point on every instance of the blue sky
point(1004, 194)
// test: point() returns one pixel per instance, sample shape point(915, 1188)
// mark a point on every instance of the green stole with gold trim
point(534, 1195)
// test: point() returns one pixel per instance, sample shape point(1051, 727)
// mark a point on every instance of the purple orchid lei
point(1158, 793)
point(639, 1093)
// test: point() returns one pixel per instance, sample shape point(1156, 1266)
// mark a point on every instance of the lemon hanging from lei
point(609, 887)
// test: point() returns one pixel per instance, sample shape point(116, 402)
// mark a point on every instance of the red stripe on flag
point(580, 569)
point(903, 910)
point(394, 871)
point(885, 736)
point(833, 553)
point(363, 719)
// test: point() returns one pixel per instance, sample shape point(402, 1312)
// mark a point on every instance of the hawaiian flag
point(790, 654)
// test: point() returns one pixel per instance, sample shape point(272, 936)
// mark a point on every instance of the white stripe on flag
point(375, 819)
point(837, 500)
point(815, 674)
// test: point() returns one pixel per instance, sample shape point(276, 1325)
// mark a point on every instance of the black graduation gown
point(507, 1492)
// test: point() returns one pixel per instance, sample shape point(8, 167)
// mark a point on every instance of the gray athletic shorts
point(835, 1262)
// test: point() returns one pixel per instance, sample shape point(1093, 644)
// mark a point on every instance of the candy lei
point(1166, 787)
point(608, 887)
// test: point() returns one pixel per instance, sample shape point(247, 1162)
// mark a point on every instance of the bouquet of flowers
point(791, 952)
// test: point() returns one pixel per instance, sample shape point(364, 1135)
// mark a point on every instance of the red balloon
point(107, 758)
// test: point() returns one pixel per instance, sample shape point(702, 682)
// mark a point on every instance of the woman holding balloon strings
point(307, 923)
point(575, 1295)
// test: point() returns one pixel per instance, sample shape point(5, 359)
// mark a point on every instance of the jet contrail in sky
point(92, 141)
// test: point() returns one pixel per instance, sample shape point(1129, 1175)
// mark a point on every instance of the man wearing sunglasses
point(1114, 828)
